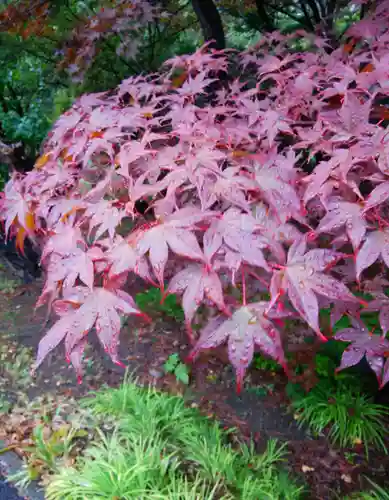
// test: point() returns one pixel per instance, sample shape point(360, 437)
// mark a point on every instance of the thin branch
point(286, 13)
point(306, 15)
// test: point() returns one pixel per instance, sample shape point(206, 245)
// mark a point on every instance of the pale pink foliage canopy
point(230, 199)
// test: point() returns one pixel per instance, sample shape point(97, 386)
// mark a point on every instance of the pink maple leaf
point(174, 233)
point(65, 240)
point(354, 114)
point(272, 63)
point(229, 185)
point(378, 196)
point(123, 257)
point(339, 309)
point(197, 281)
point(248, 326)
point(272, 123)
point(67, 122)
point(328, 175)
point(15, 205)
point(105, 216)
point(380, 303)
point(80, 310)
point(78, 264)
point(385, 375)
point(131, 152)
point(375, 245)
point(98, 145)
point(363, 343)
point(272, 229)
point(195, 85)
point(344, 213)
point(238, 232)
point(61, 211)
point(303, 276)
point(278, 190)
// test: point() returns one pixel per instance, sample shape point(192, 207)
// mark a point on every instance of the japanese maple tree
point(273, 180)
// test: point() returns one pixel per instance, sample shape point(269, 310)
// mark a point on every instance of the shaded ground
point(8, 492)
point(260, 412)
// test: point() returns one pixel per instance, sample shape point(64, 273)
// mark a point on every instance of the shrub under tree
point(265, 170)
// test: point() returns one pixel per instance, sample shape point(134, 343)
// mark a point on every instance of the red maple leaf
point(248, 326)
point(303, 277)
point(81, 310)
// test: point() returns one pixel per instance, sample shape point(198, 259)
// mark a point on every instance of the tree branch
point(210, 22)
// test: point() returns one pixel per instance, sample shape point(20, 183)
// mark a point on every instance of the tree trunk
point(265, 20)
point(210, 22)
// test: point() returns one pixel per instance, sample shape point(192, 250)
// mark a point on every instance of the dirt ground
point(260, 412)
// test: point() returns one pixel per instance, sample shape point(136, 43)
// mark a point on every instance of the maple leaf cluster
point(274, 181)
point(126, 19)
point(25, 19)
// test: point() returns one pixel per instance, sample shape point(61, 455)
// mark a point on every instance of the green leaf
point(344, 322)
point(294, 391)
point(150, 301)
point(171, 363)
point(182, 374)
point(333, 349)
point(325, 367)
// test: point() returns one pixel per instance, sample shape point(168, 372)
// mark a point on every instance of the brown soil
point(145, 348)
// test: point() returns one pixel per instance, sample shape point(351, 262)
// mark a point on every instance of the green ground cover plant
point(179, 369)
point(376, 493)
point(161, 449)
point(350, 417)
point(152, 301)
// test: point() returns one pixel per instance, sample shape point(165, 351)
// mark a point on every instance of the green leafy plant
point(5, 405)
point(151, 301)
point(265, 364)
point(350, 457)
point(57, 444)
point(56, 430)
point(178, 368)
point(377, 493)
point(350, 417)
point(159, 448)
point(324, 365)
point(15, 363)
point(262, 390)
point(49, 450)
point(8, 285)
point(3, 175)
point(294, 391)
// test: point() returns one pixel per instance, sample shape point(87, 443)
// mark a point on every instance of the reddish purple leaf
point(247, 327)
point(342, 213)
point(375, 245)
point(302, 278)
point(363, 343)
point(379, 195)
point(100, 307)
point(380, 303)
point(174, 233)
point(197, 282)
